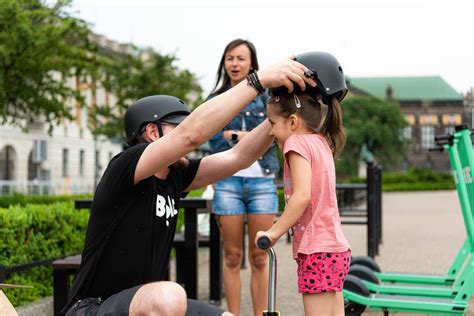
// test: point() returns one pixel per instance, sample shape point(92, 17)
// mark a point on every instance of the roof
point(432, 88)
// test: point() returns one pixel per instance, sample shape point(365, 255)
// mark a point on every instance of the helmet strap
point(160, 129)
point(141, 139)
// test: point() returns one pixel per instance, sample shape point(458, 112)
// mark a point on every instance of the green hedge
point(21, 199)
point(415, 179)
point(35, 232)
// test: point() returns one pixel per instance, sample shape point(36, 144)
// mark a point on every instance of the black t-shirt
point(131, 228)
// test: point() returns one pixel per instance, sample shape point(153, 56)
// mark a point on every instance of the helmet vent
point(340, 69)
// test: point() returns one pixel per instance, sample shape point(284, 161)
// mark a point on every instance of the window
point(427, 136)
point(97, 164)
point(65, 162)
point(407, 132)
point(81, 163)
point(449, 129)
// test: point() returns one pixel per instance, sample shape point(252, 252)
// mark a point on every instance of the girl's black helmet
point(155, 108)
point(326, 70)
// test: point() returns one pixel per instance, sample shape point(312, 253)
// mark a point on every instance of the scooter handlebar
point(444, 137)
point(264, 243)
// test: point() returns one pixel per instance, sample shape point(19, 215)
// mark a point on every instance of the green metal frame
point(460, 154)
point(436, 299)
point(395, 303)
point(449, 285)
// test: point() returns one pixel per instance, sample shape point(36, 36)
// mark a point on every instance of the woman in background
point(248, 194)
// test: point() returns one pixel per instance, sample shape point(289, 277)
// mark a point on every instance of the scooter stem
point(272, 280)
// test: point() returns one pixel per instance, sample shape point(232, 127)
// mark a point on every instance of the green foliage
point(135, 76)
point(40, 45)
point(418, 186)
point(35, 232)
point(21, 199)
point(281, 200)
point(376, 123)
point(415, 179)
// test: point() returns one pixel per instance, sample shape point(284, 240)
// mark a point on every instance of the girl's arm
point(300, 171)
point(224, 164)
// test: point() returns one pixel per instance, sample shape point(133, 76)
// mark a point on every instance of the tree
point(40, 47)
point(376, 123)
point(136, 75)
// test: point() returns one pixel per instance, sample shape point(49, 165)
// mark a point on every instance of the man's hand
point(285, 73)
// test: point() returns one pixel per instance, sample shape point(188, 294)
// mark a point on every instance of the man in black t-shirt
point(134, 212)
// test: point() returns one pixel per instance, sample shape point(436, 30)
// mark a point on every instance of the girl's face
point(281, 127)
point(238, 63)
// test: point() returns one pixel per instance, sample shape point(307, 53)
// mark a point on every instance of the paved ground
point(422, 232)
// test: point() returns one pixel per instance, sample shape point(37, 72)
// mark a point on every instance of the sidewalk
point(422, 232)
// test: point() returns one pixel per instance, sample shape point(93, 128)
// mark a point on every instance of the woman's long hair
point(222, 78)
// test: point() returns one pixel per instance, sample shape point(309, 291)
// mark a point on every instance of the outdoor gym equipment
point(356, 291)
point(264, 244)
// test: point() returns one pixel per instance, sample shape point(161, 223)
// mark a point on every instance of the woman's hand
point(285, 73)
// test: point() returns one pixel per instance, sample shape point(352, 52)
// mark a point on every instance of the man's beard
point(181, 163)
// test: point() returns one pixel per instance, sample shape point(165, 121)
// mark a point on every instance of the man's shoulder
point(129, 152)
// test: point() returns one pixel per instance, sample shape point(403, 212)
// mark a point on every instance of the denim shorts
point(241, 195)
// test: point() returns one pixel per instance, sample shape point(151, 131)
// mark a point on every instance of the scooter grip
point(264, 243)
point(444, 137)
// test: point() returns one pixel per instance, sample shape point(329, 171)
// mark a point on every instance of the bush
point(21, 199)
point(35, 232)
point(414, 180)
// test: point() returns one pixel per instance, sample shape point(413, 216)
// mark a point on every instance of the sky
point(369, 38)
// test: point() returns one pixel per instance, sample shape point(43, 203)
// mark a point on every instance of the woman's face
point(238, 63)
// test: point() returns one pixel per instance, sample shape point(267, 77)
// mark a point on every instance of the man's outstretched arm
point(212, 116)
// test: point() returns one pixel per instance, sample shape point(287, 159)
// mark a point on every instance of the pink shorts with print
point(322, 271)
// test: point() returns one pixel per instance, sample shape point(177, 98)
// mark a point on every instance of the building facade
point(431, 107)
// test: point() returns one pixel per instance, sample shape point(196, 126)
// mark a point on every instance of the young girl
point(311, 134)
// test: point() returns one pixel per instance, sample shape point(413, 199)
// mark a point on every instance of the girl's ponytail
point(333, 129)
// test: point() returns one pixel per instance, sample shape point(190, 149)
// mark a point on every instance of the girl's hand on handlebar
point(264, 234)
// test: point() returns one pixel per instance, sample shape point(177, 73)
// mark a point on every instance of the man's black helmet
point(326, 70)
point(155, 108)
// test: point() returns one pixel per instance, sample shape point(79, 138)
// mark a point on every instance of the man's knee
point(160, 298)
